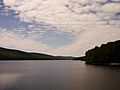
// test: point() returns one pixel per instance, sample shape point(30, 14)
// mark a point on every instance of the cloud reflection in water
point(8, 79)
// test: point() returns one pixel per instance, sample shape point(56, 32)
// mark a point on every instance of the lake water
point(57, 75)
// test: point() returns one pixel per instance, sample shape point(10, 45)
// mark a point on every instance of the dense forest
point(105, 54)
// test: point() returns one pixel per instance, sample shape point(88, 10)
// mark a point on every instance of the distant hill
point(106, 54)
point(10, 54)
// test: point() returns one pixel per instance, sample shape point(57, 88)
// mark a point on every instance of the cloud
point(93, 21)
point(88, 39)
point(62, 13)
point(12, 40)
point(111, 8)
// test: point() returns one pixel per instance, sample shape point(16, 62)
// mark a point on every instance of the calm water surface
point(57, 75)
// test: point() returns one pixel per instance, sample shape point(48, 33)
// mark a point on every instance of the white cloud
point(111, 8)
point(88, 39)
point(12, 40)
point(94, 20)
point(63, 12)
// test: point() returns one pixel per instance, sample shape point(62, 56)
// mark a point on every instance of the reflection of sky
point(8, 80)
point(57, 75)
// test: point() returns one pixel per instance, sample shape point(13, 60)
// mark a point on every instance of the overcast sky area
point(58, 27)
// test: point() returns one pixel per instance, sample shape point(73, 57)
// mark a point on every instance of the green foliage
point(106, 53)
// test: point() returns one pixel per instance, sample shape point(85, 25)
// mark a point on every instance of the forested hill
point(105, 54)
point(10, 54)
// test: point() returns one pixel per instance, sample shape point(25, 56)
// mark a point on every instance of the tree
point(106, 53)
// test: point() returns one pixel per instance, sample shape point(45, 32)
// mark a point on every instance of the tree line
point(106, 53)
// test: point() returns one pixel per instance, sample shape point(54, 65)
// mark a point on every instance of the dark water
point(57, 75)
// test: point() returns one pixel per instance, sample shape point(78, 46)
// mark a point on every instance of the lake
point(57, 75)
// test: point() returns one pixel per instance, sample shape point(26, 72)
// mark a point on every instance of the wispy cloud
point(62, 12)
point(88, 39)
point(92, 21)
point(15, 41)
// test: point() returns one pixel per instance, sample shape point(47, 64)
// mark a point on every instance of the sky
point(58, 27)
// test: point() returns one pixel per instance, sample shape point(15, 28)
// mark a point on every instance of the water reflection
point(8, 79)
point(57, 75)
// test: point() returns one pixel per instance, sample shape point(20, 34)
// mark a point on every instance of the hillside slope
point(9, 54)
